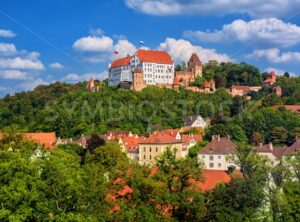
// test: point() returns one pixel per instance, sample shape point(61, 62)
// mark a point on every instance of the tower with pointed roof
point(195, 66)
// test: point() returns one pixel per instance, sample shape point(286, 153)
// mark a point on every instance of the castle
point(193, 71)
point(152, 67)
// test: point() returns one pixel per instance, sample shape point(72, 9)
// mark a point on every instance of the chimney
point(219, 138)
point(271, 146)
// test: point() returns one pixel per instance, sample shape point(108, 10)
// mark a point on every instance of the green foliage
point(199, 82)
point(271, 100)
point(237, 74)
point(193, 151)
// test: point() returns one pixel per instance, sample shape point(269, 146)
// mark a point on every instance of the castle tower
point(91, 85)
point(138, 82)
point(195, 66)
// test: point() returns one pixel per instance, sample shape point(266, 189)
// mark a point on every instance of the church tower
point(195, 66)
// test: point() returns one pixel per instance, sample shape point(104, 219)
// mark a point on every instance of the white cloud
point(56, 65)
point(30, 85)
point(7, 33)
point(265, 31)
point(274, 55)
point(74, 77)
point(181, 50)
point(12, 74)
point(94, 44)
point(279, 72)
point(124, 48)
point(7, 49)
point(21, 63)
point(255, 8)
point(96, 32)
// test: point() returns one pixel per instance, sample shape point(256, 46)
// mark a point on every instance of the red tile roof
point(154, 56)
point(48, 140)
point(293, 148)
point(294, 108)
point(160, 138)
point(186, 138)
point(131, 143)
point(121, 62)
point(176, 81)
point(211, 178)
point(276, 151)
point(206, 84)
point(219, 146)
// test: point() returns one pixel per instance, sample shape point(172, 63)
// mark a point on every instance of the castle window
point(211, 165)
point(211, 157)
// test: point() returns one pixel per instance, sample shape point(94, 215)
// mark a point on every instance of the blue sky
point(42, 41)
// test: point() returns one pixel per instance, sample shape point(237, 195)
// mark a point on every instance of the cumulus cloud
point(56, 65)
point(124, 48)
point(74, 77)
point(274, 55)
point(266, 31)
point(13, 74)
point(255, 8)
point(94, 44)
point(21, 63)
point(7, 33)
point(181, 50)
point(7, 49)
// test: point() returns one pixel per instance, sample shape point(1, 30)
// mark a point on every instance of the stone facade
point(194, 70)
point(138, 80)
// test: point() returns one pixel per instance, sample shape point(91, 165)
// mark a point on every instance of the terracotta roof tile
point(121, 62)
point(154, 56)
point(219, 146)
point(276, 151)
point(295, 147)
point(211, 178)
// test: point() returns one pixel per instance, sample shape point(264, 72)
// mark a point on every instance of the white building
point(120, 71)
point(157, 67)
point(276, 154)
point(216, 155)
point(195, 122)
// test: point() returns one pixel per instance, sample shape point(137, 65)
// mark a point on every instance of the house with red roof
point(157, 143)
point(120, 71)
point(130, 145)
point(271, 80)
point(216, 155)
point(276, 154)
point(293, 108)
point(209, 86)
point(47, 140)
point(157, 67)
point(236, 90)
